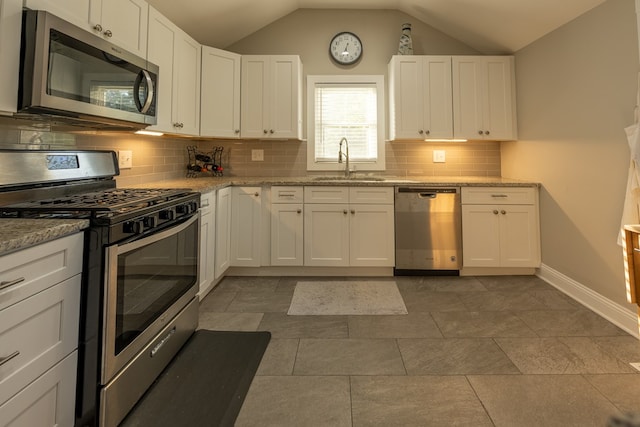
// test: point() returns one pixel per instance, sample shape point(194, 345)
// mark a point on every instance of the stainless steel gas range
point(138, 303)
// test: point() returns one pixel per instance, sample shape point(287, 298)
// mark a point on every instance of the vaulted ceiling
point(488, 26)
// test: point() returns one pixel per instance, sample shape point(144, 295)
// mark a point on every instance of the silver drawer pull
point(286, 195)
point(4, 285)
point(499, 195)
point(13, 355)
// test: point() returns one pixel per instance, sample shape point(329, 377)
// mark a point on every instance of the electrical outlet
point(438, 156)
point(257, 155)
point(125, 159)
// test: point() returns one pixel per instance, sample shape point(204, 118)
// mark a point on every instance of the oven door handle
point(156, 237)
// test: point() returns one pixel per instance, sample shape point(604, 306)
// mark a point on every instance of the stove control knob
point(150, 222)
point(187, 208)
point(135, 227)
point(168, 214)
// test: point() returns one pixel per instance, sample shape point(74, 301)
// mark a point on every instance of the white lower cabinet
point(500, 227)
point(352, 226)
point(287, 226)
point(246, 212)
point(223, 231)
point(206, 273)
point(39, 315)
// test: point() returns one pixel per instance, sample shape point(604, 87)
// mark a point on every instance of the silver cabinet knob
point(271, 131)
point(264, 131)
point(237, 131)
point(344, 212)
point(427, 132)
point(503, 212)
point(486, 132)
point(97, 27)
point(353, 211)
point(495, 212)
point(108, 33)
point(420, 131)
point(480, 132)
point(299, 211)
point(256, 194)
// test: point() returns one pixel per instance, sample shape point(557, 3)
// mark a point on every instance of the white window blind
point(349, 111)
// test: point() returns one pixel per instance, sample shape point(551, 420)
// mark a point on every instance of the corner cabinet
point(271, 106)
point(121, 22)
point(10, 24)
point(179, 58)
point(220, 94)
point(500, 227)
point(207, 243)
point(420, 97)
point(39, 317)
point(348, 226)
point(484, 97)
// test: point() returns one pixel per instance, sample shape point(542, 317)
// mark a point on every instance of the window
point(350, 107)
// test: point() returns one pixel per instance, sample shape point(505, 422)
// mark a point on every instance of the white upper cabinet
point(10, 23)
point(220, 94)
point(484, 97)
point(122, 22)
point(178, 57)
point(271, 104)
point(420, 97)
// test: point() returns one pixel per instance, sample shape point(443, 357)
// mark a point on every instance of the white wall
point(576, 90)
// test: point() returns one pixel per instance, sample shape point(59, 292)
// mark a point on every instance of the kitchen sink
point(351, 178)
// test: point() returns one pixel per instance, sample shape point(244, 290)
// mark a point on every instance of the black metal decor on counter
point(204, 162)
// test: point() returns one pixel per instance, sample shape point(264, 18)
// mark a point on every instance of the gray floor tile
point(348, 357)
point(625, 348)
point(431, 301)
point(562, 355)
point(412, 325)
point(297, 401)
point(283, 326)
point(621, 389)
point(542, 400)
point(501, 301)
point(481, 324)
point(453, 284)
point(559, 323)
point(555, 300)
point(217, 301)
point(514, 283)
point(229, 321)
point(279, 357)
point(415, 401)
point(454, 356)
point(240, 283)
point(260, 302)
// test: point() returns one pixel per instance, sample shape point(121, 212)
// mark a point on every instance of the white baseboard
point(615, 313)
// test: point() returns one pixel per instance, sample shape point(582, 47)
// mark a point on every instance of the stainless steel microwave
point(68, 74)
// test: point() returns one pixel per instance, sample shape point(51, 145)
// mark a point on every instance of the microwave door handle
point(150, 92)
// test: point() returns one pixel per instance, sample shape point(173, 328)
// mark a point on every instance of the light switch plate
point(257, 155)
point(125, 159)
point(635, 365)
point(438, 156)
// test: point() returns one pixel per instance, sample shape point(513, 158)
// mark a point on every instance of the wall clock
point(345, 48)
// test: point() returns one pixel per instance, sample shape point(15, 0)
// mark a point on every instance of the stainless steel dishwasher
point(428, 230)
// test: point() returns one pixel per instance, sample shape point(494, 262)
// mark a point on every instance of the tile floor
point(475, 351)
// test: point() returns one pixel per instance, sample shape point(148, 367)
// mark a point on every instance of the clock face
point(345, 48)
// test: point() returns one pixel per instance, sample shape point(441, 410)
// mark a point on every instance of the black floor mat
point(206, 382)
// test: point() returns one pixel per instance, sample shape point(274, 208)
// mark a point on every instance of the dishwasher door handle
point(427, 195)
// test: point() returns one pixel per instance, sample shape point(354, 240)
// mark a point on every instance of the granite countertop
point(208, 183)
point(17, 233)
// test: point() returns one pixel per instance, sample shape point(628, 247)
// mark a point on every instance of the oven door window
point(150, 279)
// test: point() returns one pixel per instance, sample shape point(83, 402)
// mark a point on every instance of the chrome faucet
point(346, 155)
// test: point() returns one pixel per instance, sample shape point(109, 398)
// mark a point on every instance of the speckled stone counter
point(16, 234)
point(204, 184)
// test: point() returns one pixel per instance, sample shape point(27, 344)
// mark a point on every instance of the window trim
point(378, 81)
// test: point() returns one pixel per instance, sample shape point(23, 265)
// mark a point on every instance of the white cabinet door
point(220, 94)
point(271, 97)
point(10, 24)
point(519, 236)
point(420, 97)
point(223, 231)
point(77, 12)
point(287, 234)
point(480, 236)
point(371, 231)
point(178, 57)
point(326, 235)
point(207, 242)
point(483, 97)
point(246, 212)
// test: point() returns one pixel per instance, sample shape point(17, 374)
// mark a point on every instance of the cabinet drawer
point(498, 195)
point(326, 194)
point(39, 267)
point(207, 201)
point(381, 195)
point(287, 194)
point(40, 331)
point(48, 401)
